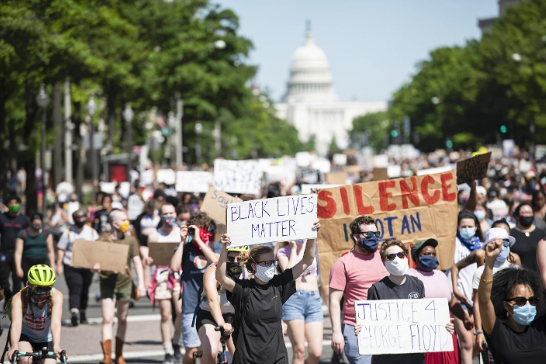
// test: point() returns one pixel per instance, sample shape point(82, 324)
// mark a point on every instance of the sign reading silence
point(403, 326)
point(272, 220)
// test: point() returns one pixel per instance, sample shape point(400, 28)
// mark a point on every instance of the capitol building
point(311, 104)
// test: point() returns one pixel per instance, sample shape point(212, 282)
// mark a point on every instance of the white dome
point(309, 56)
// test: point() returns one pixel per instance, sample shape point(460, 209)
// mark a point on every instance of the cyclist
point(36, 313)
point(214, 308)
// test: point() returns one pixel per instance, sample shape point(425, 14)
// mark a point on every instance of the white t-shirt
point(465, 274)
point(66, 242)
point(496, 267)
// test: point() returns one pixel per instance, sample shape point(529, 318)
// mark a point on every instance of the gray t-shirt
point(69, 236)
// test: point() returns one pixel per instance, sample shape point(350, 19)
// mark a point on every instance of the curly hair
point(253, 255)
point(504, 282)
point(361, 220)
point(387, 244)
point(200, 219)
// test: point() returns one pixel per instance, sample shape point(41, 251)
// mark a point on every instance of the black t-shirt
point(258, 309)
point(385, 289)
point(509, 346)
point(526, 247)
point(9, 228)
point(102, 225)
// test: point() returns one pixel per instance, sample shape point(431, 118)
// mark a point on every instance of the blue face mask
point(503, 255)
point(480, 214)
point(369, 244)
point(467, 233)
point(524, 315)
point(428, 263)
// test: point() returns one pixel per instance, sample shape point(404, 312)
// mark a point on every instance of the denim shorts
point(303, 305)
point(189, 333)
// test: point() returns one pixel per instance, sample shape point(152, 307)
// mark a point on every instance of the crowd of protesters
point(501, 232)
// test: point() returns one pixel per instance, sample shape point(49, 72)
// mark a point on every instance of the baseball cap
point(421, 244)
point(481, 191)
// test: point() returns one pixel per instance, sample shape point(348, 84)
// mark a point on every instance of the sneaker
point(177, 352)
point(168, 359)
point(74, 318)
point(337, 358)
point(83, 318)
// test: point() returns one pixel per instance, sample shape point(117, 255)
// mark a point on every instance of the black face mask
point(526, 221)
point(79, 224)
point(36, 227)
point(233, 270)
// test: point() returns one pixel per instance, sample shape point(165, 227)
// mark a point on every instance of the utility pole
point(179, 131)
point(67, 132)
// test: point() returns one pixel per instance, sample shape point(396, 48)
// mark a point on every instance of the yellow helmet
point(41, 275)
point(240, 249)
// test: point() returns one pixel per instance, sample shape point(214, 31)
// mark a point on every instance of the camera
point(191, 231)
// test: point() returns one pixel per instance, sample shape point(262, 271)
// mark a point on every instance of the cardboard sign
point(215, 204)
point(336, 178)
point(473, 168)
point(189, 181)
point(272, 220)
point(380, 174)
point(237, 176)
point(403, 326)
point(408, 209)
point(111, 257)
point(162, 253)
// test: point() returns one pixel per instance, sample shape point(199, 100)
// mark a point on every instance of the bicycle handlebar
point(38, 354)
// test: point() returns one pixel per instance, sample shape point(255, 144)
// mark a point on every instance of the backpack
point(25, 232)
point(24, 301)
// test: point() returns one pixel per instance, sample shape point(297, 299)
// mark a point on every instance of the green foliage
point(373, 128)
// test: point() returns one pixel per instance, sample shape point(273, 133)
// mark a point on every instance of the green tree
point(372, 128)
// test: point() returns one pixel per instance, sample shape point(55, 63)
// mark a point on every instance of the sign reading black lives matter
point(272, 220)
point(403, 326)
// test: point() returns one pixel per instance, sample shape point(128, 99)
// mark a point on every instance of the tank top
point(37, 323)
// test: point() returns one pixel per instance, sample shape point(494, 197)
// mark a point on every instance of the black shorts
point(37, 346)
point(206, 318)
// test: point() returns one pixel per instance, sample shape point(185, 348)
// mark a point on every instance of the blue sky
point(372, 45)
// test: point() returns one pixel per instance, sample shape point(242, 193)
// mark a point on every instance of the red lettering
point(345, 200)
point(445, 178)
point(384, 196)
point(408, 193)
point(431, 200)
point(329, 210)
point(362, 210)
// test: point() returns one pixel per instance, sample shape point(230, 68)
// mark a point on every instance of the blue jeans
point(303, 305)
point(351, 346)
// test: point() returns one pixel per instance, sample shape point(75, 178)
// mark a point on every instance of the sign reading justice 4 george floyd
point(403, 326)
point(272, 220)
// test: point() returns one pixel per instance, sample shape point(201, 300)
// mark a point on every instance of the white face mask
point(397, 267)
point(265, 274)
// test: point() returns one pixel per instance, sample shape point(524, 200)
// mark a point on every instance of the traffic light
point(449, 144)
point(503, 129)
point(394, 133)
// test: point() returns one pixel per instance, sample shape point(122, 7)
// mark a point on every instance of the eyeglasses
point(370, 234)
point(522, 301)
point(267, 263)
point(234, 259)
point(400, 255)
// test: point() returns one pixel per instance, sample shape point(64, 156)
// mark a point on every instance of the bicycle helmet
point(41, 275)
point(240, 249)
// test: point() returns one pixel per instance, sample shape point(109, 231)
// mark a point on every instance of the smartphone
point(191, 231)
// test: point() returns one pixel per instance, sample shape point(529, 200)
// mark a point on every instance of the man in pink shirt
point(351, 277)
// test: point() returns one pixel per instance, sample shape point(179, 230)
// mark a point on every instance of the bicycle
point(221, 358)
point(38, 355)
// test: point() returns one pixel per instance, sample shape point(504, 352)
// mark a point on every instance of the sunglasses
point(234, 259)
point(40, 290)
point(522, 301)
point(370, 234)
point(400, 255)
point(267, 263)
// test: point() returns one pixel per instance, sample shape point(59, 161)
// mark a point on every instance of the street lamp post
point(179, 131)
point(198, 131)
point(42, 100)
point(128, 115)
point(91, 108)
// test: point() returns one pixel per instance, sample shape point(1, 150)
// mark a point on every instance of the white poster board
point(272, 220)
point(237, 176)
point(403, 326)
point(189, 181)
point(166, 176)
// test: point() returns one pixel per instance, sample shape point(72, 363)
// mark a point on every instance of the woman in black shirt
point(258, 334)
point(512, 311)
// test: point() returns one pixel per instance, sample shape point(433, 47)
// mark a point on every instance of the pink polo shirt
point(354, 274)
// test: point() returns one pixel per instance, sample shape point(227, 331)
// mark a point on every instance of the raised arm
point(211, 256)
point(308, 255)
point(541, 259)
point(473, 198)
point(176, 260)
point(284, 261)
point(221, 276)
point(487, 311)
point(461, 264)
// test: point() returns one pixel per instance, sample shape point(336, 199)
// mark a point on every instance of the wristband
point(487, 281)
point(476, 333)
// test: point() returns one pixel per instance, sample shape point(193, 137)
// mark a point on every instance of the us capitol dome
point(311, 104)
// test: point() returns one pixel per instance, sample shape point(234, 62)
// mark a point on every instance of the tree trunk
point(58, 134)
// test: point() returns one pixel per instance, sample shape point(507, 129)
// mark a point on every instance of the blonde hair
point(252, 256)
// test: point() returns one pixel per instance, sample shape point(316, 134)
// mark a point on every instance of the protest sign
point(193, 181)
point(272, 220)
point(336, 178)
point(147, 177)
point(135, 206)
point(310, 176)
point(473, 168)
point(403, 326)
point(340, 159)
point(111, 257)
point(215, 204)
point(303, 159)
point(162, 253)
point(166, 176)
point(408, 209)
point(237, 176)
point(447, 168)
point(380, 174)
point(322, 164)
